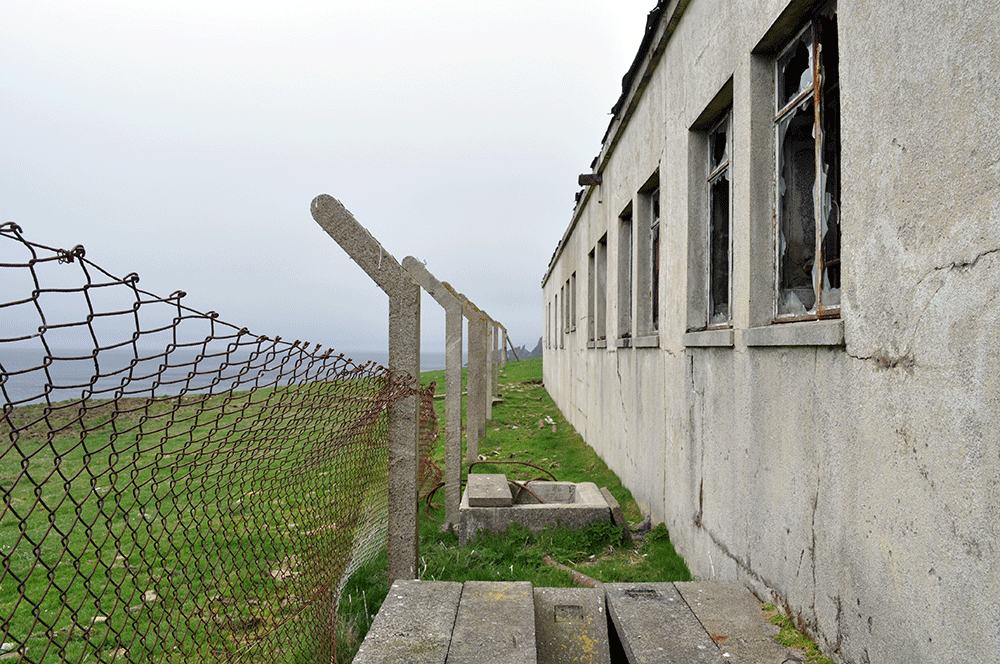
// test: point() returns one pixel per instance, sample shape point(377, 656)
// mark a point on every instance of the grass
point(180, 528)
point(790, 637)
point(514, 434)
point(528, 427)
point(181, 522)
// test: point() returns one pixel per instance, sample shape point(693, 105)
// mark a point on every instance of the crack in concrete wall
point(964, 265)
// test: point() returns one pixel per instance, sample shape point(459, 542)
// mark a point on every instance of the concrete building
point(774, 312)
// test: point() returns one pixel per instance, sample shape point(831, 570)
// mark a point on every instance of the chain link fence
point(174, 487)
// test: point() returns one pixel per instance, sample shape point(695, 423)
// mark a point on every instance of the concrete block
point(587, 505)
point(655, 624)
point(736, 621)
point(617, 514)
point(571, 626)
point(414, 625)
point(495, 623)
point(488, 490)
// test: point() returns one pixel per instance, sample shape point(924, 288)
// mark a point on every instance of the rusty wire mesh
point(174, 487)
point(429, 473)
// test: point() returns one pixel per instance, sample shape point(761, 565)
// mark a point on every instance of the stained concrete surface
point(414, 625)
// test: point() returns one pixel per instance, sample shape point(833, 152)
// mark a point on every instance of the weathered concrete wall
point(857, 482)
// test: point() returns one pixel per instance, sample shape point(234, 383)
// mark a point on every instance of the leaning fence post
point(453, 383)
point(404, 358)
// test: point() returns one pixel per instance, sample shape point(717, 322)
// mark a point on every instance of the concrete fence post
point(475, 420)
point(404, 358)
point(496, 365)
point(491, 345)
point(503, 345)
point(453, 383)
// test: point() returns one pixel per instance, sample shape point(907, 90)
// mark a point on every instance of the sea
point(23, 376)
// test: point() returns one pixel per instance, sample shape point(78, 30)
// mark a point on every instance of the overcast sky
point(184, 140)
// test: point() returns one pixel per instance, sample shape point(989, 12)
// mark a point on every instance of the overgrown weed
point(790, 637)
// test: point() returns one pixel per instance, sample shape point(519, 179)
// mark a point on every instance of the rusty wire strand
point(176, 488)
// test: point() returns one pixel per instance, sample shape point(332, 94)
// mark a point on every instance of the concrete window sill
point(709, 338)
point(603, 343)
point(805, 333)
point(623, 343)
point(652, 341)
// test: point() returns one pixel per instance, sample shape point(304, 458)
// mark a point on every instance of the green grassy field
point(514, 434)
point(196, 529)
point(184, 529)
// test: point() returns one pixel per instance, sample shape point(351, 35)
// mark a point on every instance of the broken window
point(572, 302)
point(647, 252)
point(561, 297)
point(654, 260)
point(591, 291)
point(720, 201)
point(567, 324)
point(807, 128)
point(625, 274)
point(601, 289)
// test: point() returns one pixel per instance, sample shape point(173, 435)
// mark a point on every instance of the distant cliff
point(523, 353)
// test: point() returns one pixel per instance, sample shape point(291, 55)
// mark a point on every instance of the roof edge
point(661, 23)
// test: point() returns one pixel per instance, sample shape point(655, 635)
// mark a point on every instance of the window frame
point(626, 268)
point(601, 293)
point(717, 172)
point(647, 256)
point(572, 302)
point(592, 296)
point(785, 109)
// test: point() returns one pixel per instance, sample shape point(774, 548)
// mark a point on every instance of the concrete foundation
point(563, 504)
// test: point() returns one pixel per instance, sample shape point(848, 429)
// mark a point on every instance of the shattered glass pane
point(718, 146)
point(718, 290)
point(625, 275)
point(795, 72)
point(830, 214)
point(796, 212)
point(654, 291)
point(602, 288)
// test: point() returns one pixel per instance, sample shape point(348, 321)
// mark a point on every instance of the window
point(807, 197)
point(625, 273)
point(710, 237)
point(601, 291)
point(654, 260)
point(548, 325)
point(565, 309)
point(648, 256)
point(572, 302)
point(719, 265)
point(591, 291)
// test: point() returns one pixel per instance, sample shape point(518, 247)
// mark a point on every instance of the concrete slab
point(571, 626)
point(488, 490)
point(617, 514)
point(736, 621)
point(495, 623)
point(655, 624)
point(414, 625)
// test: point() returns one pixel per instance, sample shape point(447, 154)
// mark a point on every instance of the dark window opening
point(654, 259)
point(719, 236)
point(807, 125)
